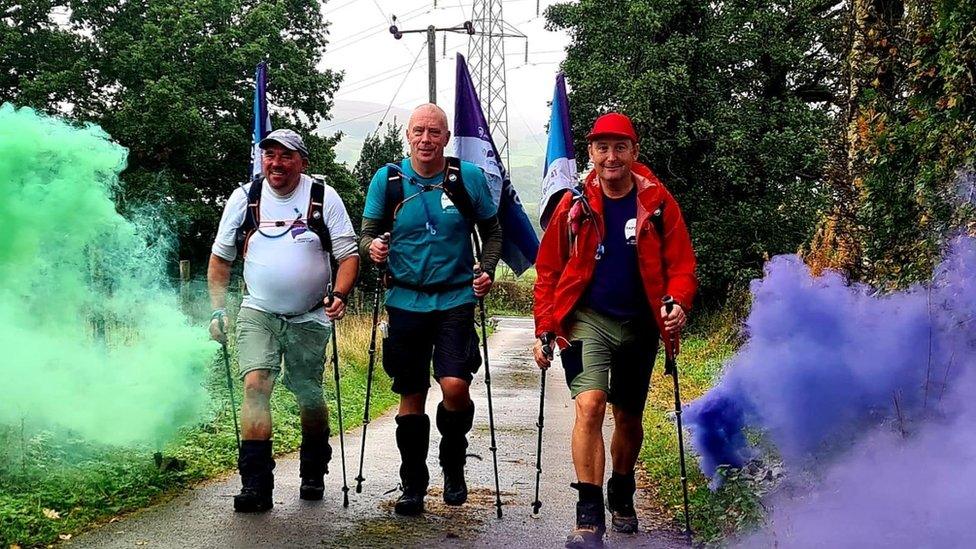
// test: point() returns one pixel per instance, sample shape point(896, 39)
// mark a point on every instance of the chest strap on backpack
point(315, 215)
point(393, 197)
point(452, 185)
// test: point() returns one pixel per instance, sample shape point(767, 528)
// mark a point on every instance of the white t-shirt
point(286, 274)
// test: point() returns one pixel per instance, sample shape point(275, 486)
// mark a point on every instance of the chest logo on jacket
point(630, 231)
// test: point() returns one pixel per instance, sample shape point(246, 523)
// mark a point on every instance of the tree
point(41, 61)
point(910, 139)
point(172, 80)
point(375, 154)
point(732, 100)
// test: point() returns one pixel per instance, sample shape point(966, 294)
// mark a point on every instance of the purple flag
point(473, 143)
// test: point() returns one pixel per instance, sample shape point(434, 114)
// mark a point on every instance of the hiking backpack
point(315, 215)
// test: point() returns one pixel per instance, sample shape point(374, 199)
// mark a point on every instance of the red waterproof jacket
point(566, 261)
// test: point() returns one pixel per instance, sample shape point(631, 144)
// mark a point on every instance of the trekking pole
point(484, 345)
point(536, 505)
point(338, 391)
point(380, 270)
point(230, 381)
point(671, 368)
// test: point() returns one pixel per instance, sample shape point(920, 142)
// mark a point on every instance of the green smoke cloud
point(92, 337)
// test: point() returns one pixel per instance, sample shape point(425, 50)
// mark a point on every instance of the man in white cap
point(289, 228)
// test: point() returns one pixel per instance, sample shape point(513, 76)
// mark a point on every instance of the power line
point(360, 117)
point(393, 72)
point(337, 8)
point(368, 32)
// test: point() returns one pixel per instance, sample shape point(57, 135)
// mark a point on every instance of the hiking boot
point(455, 488)
point(413, 440)
point(590, 518)
point(409, 504)
point(585, 537)
point(454, 427)
point(620, 502)
point(313, 465)
point(257, 480)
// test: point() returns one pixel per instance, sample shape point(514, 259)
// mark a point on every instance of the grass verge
point(714, 515)
point(53, 485)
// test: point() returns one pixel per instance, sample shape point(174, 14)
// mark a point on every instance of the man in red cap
point(611, 253)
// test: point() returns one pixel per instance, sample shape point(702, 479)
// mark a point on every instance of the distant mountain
point(356, 120)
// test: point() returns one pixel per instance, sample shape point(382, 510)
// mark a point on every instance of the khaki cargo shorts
point(611, 355)
point(296, 350)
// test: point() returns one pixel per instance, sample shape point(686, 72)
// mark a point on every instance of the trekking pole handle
point(668, 302)
point(219, 314)
point(331, 293)
point(547, 339)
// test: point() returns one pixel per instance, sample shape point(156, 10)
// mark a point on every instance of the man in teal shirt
point(433, 288)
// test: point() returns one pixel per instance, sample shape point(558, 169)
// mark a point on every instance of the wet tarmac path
point(203, 516)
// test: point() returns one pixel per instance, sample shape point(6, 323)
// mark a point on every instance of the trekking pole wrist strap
point(218, 313)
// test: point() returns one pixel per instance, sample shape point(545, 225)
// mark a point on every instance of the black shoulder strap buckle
point(455, 190)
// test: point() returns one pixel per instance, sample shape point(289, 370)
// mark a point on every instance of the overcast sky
point(376, 64)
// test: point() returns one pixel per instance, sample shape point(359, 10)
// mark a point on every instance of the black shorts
point(449, 337)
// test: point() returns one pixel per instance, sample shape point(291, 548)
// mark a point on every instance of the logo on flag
point(559, 174)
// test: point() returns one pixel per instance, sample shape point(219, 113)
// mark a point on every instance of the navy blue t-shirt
point(616, 289)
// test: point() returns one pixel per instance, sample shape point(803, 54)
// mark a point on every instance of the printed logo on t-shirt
point(630, 231)
point(299, 232)
point(446, 204)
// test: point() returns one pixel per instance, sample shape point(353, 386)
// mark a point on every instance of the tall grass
point(736, 506)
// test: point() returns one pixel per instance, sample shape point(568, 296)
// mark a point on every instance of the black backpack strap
point(316, 214)
point(657, 219)
point(455, 190)
point(252, 217)
point(392, 198)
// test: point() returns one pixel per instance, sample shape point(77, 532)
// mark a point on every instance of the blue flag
point(559, 174)
point(473, 143)
point(262, 120)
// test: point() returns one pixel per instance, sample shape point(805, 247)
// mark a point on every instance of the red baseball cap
point(613, 124)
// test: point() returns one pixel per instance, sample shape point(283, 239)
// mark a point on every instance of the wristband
point(340, 295)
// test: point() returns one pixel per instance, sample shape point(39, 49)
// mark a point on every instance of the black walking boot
point(454, 427)
point(590, 518)
point(313, 465)
point(413, 440)
point(257, 480)
point(620, 502)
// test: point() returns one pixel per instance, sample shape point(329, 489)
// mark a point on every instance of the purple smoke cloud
point(867, 395)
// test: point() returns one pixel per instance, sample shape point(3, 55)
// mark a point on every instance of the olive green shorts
point(611, 355)
point(267, 342)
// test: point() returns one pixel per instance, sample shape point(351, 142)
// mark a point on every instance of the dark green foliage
point(918, 128)
point(732, 102)
point(172, 81)
point(377, 151)
point(42, 63)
